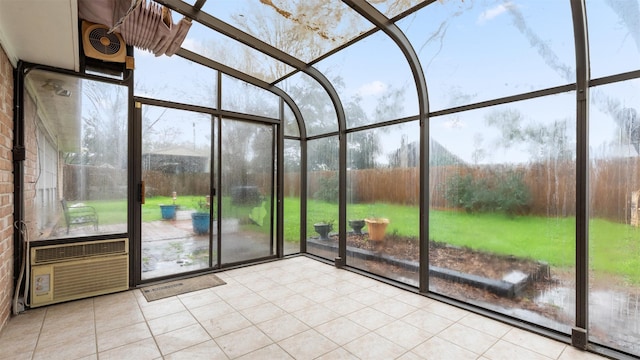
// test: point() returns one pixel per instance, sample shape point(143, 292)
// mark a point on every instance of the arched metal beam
point(367, 10)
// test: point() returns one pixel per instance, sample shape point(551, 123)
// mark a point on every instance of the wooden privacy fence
point(551, 184)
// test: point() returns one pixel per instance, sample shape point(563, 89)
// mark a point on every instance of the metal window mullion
point(579, 335)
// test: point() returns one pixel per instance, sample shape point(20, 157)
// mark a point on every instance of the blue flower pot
point(168, 211)
point(200, 222)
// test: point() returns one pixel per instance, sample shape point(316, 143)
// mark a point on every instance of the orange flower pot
point(377, 228)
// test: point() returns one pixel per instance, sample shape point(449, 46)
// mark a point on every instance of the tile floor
point(296, 308)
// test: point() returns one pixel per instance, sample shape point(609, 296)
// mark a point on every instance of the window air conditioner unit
point(99, 44)
point(78, 270)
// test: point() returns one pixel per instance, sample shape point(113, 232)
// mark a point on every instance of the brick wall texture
point(6, 187)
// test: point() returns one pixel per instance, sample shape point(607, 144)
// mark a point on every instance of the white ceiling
point(43, 32)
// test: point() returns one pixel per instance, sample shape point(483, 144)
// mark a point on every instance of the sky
point(481, 50)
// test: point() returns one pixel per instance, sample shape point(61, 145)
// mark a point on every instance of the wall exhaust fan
point(99, 44)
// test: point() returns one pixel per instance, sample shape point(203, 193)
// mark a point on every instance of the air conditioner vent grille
point(95, 277)
point(57, 253)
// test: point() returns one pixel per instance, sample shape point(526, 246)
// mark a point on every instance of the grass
point(614, 248)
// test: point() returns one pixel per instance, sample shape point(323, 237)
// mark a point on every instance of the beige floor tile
point(68, 349)
point(17, 347)
point(207, 350)
point(125, 298)
point(447, 311)
point(366, 296)
point(307, 345)
point(427, 321)
point(504, 350)
point(67, 333)
point(403, 334)
point(410, 356)
point(24, 324)
point(211, 311)
point(316, 315)
point(156, 310)
point(263, 312)
point(225, 324)
point(417, 300)
point(370, 318)
point(271, 352)
point(341, 330)
point(343, 305)
point(231, 290)
point(243, 341)
point(171, 322)
point(140, 350)
point(338, 354)
point(571, 353)
point(295, 302)
point(276, 293)
point(541, 345)
point(437, 348)
point(198, 298)
point(10, 355)
point(318, 294)
point(344, 287)
point(119, 320)
point(486, 325)
point(393, 307)
point(123, 336)
point(373, 346)
point(181, 339)
point(245, 301)
point(468, 338)
point(282, 327)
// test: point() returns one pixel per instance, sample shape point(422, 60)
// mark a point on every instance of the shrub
point(503, 191)
point(327, 189)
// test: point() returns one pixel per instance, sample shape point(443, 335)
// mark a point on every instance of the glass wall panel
point(176, 169)
point(243, 97)
point(234, 54)
point(317, 26)
point(383, 210)
point(291, 127)
point(292, 192)
point(247, 170)
point(392, 8)
point(502, 209)
point(322, 192)
point(614, 237)
point(382, 90)
point(175, 79)
point(76, 136)
point(614, 36)
point(317, 110)
point(473, 51)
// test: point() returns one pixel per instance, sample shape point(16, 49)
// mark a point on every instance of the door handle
point(142, 192)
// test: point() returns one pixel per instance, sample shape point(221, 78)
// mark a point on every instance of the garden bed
point(505, 276)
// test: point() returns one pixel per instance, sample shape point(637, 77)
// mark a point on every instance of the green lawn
point(614, 248)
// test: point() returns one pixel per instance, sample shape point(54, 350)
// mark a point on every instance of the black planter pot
point(357, 226)
point(323, 230)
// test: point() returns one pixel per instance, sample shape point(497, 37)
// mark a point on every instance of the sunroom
point(480, 153)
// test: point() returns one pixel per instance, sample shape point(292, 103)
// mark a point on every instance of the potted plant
point(168, 212)
point(357, 225)
point(377, 228)
point(200, 219)
point(323, 228)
